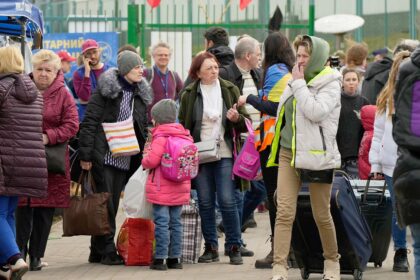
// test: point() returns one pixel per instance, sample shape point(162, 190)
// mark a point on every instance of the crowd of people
point(310, 118)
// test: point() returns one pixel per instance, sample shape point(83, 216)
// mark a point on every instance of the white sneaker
point(18, 269)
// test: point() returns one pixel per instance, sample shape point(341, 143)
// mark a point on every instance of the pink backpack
point(247, 163)
point(180, 160)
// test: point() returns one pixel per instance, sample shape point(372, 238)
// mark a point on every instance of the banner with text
point(72, 42)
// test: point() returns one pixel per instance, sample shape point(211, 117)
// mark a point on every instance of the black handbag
point(56, 158)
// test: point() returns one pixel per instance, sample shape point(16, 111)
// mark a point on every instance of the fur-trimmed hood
point(110, 87)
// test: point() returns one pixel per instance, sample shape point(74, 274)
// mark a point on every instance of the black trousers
point(33, 225)
point(270, 180)
point(112, 181)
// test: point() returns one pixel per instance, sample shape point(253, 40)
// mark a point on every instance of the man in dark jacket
point(243, 72)
point(216, 40)
point(377, 72)
point(406, 133)
point(217, 43)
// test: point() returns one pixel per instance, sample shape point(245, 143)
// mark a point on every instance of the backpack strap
point(150, 74)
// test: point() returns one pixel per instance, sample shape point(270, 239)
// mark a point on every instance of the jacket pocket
point(324, 146)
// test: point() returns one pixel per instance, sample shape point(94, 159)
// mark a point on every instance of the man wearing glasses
point(86, 77)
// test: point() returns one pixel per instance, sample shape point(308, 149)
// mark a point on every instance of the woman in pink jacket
point(166, 196)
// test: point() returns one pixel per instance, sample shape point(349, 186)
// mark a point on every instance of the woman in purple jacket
point(23, 170)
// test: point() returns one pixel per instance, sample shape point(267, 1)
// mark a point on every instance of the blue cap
point(383, 51)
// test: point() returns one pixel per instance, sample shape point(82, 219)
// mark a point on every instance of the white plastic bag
point(135, 204)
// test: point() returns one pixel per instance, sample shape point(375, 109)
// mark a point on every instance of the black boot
point(94, 256)
point(34, 263)
point(112, 258)
point(266, 262)
point(210, 254)
point(400, 261)
point(159, 264)
point(235, 255)
point(174, 263)
point(249, 223)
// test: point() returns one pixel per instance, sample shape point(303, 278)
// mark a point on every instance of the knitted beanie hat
point(164, 111)
point(127, 60)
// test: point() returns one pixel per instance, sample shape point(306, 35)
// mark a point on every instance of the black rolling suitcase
point(376, 206)
point(353, 234)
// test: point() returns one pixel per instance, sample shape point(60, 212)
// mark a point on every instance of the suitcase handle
point(364, 199)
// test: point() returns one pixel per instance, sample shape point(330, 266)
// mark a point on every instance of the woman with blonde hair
point(383, 156)
point(59, 124)
point(22, 156)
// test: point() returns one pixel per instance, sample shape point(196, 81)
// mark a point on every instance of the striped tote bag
point(121, 138)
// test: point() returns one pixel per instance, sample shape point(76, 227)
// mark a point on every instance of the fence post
point(143, 50)
point(311, 23)
point(359, 12)
point(412, 19)
point(133, 22)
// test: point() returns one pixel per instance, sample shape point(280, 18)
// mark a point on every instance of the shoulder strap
point(173, 74)
point(150, 74)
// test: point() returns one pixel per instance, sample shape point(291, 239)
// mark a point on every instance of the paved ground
point(67, 259)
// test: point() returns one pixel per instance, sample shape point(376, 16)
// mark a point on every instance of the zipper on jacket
point(324, 146)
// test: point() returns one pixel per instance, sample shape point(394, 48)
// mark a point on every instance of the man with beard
point(86, 77)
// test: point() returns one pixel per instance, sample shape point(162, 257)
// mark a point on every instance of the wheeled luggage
point(353, 234)
point(191, 237)
point(376, 207)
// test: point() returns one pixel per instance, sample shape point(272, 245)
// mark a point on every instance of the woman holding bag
point(208, 110)
point(60, 123)
point(122, 94)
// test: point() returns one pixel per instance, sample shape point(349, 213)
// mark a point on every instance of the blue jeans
point(415, 233)
point(212, 178)
point(8, 246)
point(253, 198)
point(398, 235)
point(168, 231)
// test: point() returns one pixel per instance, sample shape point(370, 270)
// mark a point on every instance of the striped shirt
point(122, 163)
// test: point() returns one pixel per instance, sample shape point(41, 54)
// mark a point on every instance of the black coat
point(406, 185)
point(232, 74)
point(104, 106)
point(407, 170)
point(376, 76)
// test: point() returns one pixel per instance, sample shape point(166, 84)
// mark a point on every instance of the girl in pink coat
point(166, 196)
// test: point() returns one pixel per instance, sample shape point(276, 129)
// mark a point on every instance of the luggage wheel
point(304, 273)
point(378, 264)
point(357, 274)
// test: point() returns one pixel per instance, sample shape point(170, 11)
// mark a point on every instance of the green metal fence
point(183, 32)
point(386, 21)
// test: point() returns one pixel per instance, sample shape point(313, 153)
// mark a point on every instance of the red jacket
point(23, 169)
point(367, 115)
point(158, 189)
point(60, 123)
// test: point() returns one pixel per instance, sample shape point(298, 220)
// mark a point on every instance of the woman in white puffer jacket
point(383, 157)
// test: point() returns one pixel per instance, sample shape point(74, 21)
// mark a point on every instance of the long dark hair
point(277, 49)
